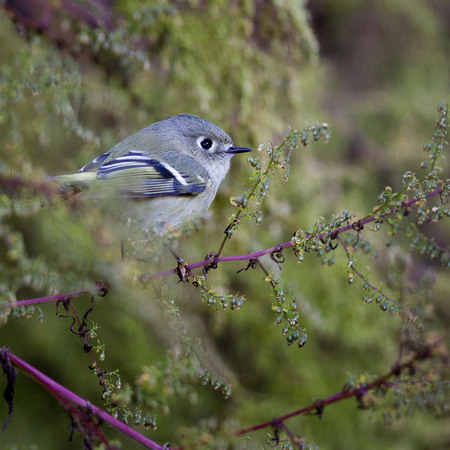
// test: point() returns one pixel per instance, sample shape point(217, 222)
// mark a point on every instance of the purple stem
point(149, 276)
point(61, 392)
point(52, 298)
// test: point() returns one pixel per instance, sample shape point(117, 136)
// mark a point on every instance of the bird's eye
point(206, 143)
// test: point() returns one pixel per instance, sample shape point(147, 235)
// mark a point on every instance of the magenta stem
point(66, 395)
point(256, 255)
point(52, 298)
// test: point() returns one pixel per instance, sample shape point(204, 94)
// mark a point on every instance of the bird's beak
point(234, 149)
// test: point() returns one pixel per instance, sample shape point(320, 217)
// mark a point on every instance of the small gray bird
point(166, 173)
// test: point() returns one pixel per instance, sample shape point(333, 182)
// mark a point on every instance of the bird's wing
point(136, 175)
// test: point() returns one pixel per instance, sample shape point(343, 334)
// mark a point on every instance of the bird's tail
point(75, 179)
point(74, 182)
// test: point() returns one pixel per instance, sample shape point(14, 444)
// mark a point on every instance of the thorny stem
point(100, 288)
point(82, 408)
point(257, 255)
point(318, 407)
point(52, 298)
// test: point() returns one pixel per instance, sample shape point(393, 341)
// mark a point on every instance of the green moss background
point(69, 91)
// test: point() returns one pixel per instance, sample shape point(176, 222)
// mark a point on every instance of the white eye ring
point(205, 143)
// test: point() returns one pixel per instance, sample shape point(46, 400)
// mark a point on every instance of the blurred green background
point(77, 77)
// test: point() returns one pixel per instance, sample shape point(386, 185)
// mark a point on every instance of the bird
point(162, 176)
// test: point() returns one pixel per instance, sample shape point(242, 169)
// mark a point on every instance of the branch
point(101, 287)
point(256, 255)
point(77, 405)
point(318, 407)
